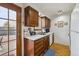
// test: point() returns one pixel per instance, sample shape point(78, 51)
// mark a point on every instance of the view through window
point(7, 32)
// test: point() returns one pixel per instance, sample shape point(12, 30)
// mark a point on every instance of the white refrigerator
point(74, 31)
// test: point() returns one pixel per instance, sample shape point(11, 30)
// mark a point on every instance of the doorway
point(10, 30)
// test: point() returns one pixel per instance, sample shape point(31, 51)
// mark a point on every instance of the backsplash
point(26, 31)
point(32, 31)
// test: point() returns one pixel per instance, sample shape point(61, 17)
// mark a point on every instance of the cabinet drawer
point(38, 50)
point(36, 46)
point(38, 41)
point(39, 53)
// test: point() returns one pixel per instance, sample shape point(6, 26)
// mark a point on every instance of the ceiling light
point(60, 12)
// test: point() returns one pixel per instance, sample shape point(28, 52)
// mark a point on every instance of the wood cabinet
point(39, 47)
point(45, 22)
point(28, 47)
point(36, 47)
point(46, 43)
point(31, 17)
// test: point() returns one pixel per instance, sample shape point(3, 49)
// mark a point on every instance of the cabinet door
point(47, 23)
point(46, 42)
point(31, 18)
point(28, 47)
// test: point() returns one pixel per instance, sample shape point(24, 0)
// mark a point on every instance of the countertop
point(36, 37)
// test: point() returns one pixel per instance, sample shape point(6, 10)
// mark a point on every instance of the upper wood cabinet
point(45, 22)
point(31, 17)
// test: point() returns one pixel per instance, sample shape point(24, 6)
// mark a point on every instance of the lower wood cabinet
point(46, 43)
point(28, 47)
point(37, 47)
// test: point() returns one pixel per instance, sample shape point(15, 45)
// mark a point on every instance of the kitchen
point(39, 29)
point(39, 37)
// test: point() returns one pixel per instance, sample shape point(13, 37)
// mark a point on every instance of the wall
point(61, 34)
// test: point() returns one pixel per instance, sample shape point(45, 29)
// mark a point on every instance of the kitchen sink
point(41, 33)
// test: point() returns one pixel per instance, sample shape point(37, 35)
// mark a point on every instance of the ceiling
point(51, 9)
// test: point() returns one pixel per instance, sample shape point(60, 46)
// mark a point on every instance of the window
point(7, 31)
point(12, 15)
point(3, 12)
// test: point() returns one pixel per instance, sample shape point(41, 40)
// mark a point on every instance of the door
point(10, 30)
